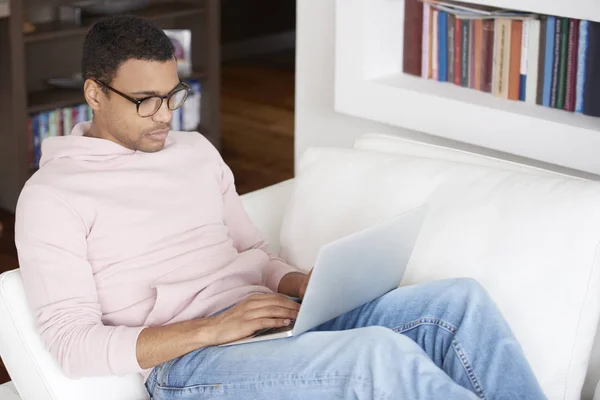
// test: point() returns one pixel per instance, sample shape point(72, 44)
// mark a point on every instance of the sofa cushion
point(531, 240)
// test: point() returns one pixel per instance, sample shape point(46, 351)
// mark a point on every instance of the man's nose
point(164, 114)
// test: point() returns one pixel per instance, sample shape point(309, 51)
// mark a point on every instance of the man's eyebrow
point(153, 92)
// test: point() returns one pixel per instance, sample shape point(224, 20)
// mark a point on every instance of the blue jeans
point(440, 340)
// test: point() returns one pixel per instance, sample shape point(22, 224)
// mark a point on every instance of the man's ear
point(92, 93)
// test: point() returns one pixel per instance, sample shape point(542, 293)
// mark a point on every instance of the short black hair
point(115, 40)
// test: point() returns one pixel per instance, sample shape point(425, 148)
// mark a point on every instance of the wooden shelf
point(27, 61)
point(4, 10)
point(155, 12)
point(52, 98)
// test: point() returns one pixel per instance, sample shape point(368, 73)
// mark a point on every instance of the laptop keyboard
point(270, 331)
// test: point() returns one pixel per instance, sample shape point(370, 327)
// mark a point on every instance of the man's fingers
point(260, 301)
point(272, 311)
point(268, 323)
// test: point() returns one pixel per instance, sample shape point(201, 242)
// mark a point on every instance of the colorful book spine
point(524, 55)
point(591, 100)
point(426, 43)
point(464, 57)
point(549, 61)
point(434, 47)
point(472, 53)
point(478, 55)
point(457, 50)
point(571, 79)
point(556, 62)
point(502, 58)
point(450, 28)
point(581, 64)
point(442, 46)
point(562, 69)
point(514, 75)
point(487, 56)
point(533, 65)
point(413, 19)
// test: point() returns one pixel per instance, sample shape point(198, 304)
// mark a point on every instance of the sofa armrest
point(266, 207)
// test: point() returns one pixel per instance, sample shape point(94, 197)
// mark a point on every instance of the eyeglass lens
point(151, 105)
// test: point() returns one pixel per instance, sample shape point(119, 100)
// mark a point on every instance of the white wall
point(317, 124)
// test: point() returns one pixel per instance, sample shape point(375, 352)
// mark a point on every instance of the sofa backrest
point(530, 238)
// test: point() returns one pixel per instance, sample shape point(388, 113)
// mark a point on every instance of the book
point(591, 101)
point(457, 50)
point(556, 62)
point(572, 48)
point(442, 47)
point(581, 64)
point(431, 40)
point(549, 62)
point(413, 37)
point(426, 42)
point(541, 60)
point(487, 56)
point(464, 57)
point(472, 53)
point(476, 11)
point(502, 58)
point(562, 69)
point(450, 46)
point(434, 44)
point(182, 42)
point(532, 80)
point(514, 74)
point(524, 55)
point(192, 108)
point(478, 54)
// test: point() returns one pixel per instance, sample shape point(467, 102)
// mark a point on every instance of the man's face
point(138, 79)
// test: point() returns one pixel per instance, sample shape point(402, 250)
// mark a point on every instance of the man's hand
point(260, 311)
point(158, 344)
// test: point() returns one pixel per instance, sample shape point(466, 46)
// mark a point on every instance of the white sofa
point(530, 236)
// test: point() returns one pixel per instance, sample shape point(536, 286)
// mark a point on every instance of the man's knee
point(469, 291)
point(376, 341)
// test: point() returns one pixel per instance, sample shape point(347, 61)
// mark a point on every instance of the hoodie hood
point(76, 146)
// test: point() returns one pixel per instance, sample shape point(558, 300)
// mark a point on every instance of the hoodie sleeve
point(244, 233)
point(61, 291)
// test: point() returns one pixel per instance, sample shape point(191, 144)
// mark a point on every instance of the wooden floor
point(257, 124)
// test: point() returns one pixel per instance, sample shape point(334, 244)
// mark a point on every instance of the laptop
point(352, 271)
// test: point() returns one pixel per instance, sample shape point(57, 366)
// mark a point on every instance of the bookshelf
point(369, 83)
point(155, 12)
point(27, 60)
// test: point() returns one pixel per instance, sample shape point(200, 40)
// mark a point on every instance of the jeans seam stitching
point(426, 321)
point(358, 379)
point(468, 369)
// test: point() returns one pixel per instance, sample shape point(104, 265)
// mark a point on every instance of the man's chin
point(151, 147)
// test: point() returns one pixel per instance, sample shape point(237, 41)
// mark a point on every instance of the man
point(138, 257)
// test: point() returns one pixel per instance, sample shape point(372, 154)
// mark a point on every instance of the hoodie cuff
point(277, 269)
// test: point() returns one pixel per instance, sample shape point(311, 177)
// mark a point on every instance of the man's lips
point(158, 135)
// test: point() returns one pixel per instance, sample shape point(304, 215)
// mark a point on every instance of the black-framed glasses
point(148, 106)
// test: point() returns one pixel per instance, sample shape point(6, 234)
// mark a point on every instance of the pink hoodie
point(112, 240)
